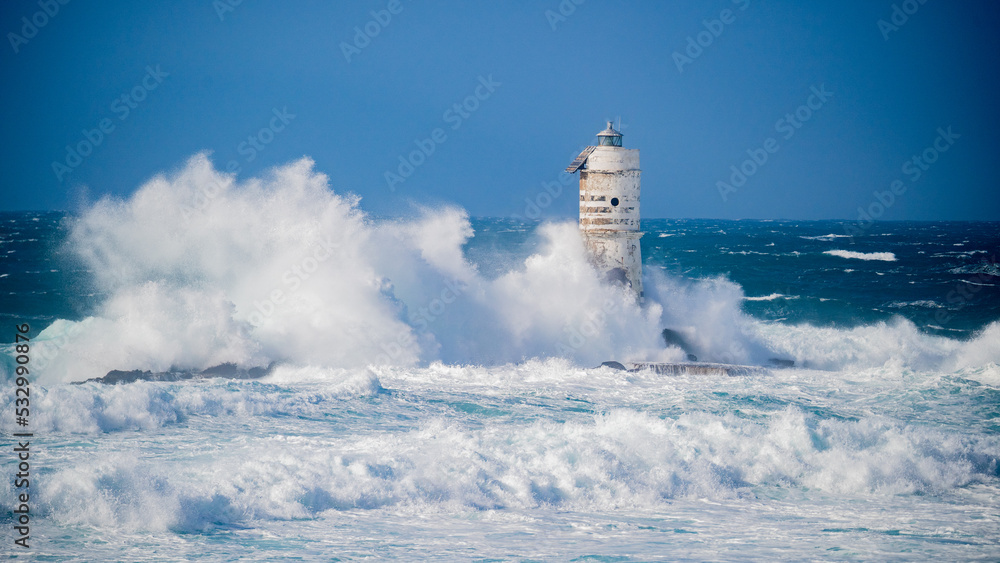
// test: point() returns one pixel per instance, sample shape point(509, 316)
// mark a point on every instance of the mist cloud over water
point(196, 269)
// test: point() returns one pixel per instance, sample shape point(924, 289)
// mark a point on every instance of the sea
point(433, 386)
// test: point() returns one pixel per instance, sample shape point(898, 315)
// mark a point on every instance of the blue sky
point(262, 83)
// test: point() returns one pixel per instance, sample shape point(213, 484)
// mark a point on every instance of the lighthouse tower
point(609, 208)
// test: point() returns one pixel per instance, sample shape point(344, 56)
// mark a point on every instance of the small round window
point(614, 201)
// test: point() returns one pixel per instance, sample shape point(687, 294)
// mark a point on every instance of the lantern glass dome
point(609, 137)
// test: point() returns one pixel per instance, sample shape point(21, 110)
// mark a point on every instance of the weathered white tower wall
point(609, 209)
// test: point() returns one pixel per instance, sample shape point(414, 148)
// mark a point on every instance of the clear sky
point(699, 87)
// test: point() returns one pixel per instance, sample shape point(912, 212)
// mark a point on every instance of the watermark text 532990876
point(22, 452)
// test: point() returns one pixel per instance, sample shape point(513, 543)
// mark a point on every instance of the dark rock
point(227, 370)
point(664, 368)
point(221, 370)
point(673, 338)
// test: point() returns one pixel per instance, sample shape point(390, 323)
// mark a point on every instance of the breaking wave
point(771, 297)
point(882, 256)
point(619, 459)
point(199, 270)
point(829, 237)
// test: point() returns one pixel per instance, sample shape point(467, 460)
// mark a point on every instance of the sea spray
point(881, 439)
point(282, 267)
point(285, 269)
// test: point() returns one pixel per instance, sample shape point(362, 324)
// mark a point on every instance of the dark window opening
point(614, 201)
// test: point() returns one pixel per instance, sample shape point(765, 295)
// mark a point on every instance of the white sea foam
point(202, 270)
point(988, 374)
point(919, 303)
point(326, 452)
point(898, 342)
point(620, 459)
point(95, 408)
point(988, 269)
point(770, 297)
point(828, 237)
point(882, 256)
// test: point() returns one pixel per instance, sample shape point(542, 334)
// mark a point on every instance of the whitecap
point(771, 297)
point(930, 304)
point(882, 256)
point(828, 237)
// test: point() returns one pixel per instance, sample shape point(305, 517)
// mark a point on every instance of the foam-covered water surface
point(431, 388)
point(541, 459)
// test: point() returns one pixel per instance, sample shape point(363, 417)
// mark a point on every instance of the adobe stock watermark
point(534, 205)
point(964, 291)
point(455, 116)
point(292, 279)
point(122, 107)
point(697, 43)
point(552, 190)
point(265, 136)
point(249, 149)
point(421, 319)
point(30, 26)
point(45, 352)
point(566, 8)
point(223, 7)
point(786, 126)
point(913, 169)
point(364, 35)
point(899, 16)
point(578, 336)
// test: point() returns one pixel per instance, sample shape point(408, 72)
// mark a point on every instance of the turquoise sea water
point(488, 433)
